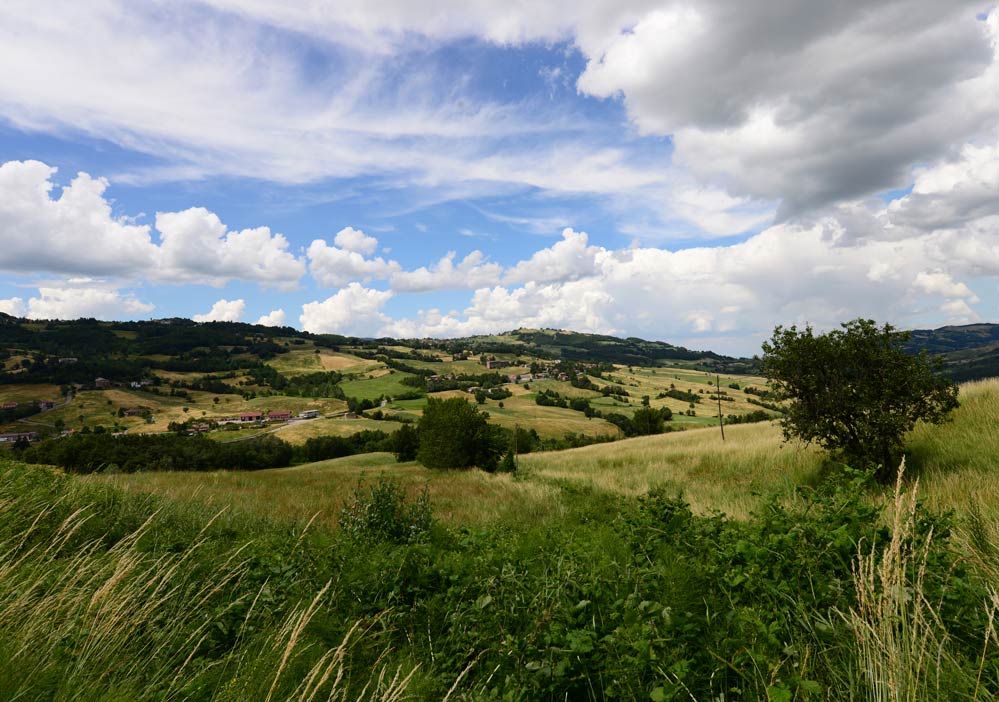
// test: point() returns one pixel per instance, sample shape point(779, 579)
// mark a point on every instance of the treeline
point(645, 421)
point(677, 394)
point(89, 453)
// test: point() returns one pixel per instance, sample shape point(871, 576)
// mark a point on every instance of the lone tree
point(855, 391)
point(455, 434)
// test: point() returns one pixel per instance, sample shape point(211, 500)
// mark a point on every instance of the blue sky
point(642, 167)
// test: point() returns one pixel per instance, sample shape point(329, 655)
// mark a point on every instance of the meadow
point(600, 573)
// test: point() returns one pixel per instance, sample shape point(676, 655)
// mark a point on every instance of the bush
point(383, 513)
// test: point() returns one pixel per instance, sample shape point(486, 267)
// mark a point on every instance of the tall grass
point(902, 646)
point(730, 476)
point(317, 491)
point(83, 621)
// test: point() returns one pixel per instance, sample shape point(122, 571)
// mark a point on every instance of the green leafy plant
point(855, 390)
point(383, 512)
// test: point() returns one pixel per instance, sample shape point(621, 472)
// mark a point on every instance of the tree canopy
point(855, 390)
point(455, 434)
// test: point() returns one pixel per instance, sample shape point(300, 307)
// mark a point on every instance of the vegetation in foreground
point(829, 592)
point(109, 595)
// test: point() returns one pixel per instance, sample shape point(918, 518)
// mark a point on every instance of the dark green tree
point(455, 434)
point(406, 443)
point(854, 391)
point(648, 420)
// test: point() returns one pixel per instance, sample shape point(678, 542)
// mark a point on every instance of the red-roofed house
point(250, 416)
point(278, 416)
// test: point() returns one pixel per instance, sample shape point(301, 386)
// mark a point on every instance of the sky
point(693, 172)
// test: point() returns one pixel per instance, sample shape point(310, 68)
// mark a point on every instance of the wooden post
point(516, 428)
point(721, 420)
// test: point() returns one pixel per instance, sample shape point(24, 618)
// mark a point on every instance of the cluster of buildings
point(254, 417)
point(104, 383)
point(16, 436)
point(41, 404)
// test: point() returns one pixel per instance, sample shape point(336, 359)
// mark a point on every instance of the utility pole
point(516, 430)
point(721, 420)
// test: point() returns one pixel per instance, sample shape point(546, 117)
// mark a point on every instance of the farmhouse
point(8, 405)
point(250, 417)
point(102, 383)
point(45, 404)
point(17, 436)
point(308, 414)
point(492, 364)
point(135, 411)
point(278, 416)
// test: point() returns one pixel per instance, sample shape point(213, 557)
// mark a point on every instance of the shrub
point(383, 513)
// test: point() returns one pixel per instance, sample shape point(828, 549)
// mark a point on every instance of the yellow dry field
point(29, 393)
point(549, 422)
point(729, 476)
point(300, 432)
point(317, 491)
point(343, 363)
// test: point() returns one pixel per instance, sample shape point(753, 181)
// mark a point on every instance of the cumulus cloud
point(13, 306)
point(73, 233)
point(853, 261)
point(953, 193)
point(940, 283)
point(274, 318)
point(198, 247)
point(73, 300)
point(353, 310)
point(473, 271)
point(568, 259)
point(77, 233)
point(223, 311)
point(844, 98)
point(355, 240)
point(333, 266)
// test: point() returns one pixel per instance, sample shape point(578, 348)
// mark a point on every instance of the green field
point(388, 384)
point(579, 577)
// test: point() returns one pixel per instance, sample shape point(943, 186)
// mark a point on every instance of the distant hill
point(201, 346)
point(969, 352)
point(578, 346)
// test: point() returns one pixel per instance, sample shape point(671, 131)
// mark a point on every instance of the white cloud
point(197, 247)
point(76, 233)
point(274, 318)
point(731, 296)
point(959, 312)
point(953, 193)
point(73, 301)
point(568, 259)
point(353, 310)
point(805, 103)
point(940, 283)
point(223, 311)
point(473, 271)
point(333, 266)
point(355, 240)
point(13, 306)
point(837, 104)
